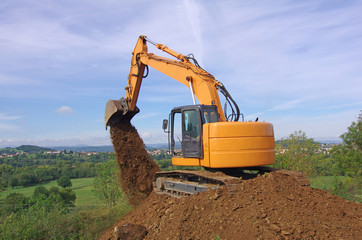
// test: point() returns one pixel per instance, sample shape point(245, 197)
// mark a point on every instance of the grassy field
point(83, 188)
point(322, 182)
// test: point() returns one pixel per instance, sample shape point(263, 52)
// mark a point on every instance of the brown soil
point(136, 167)
point(272, 206)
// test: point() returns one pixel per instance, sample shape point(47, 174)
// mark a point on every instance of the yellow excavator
point(201, 134)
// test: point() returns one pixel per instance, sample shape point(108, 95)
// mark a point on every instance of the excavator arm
point(202, 84)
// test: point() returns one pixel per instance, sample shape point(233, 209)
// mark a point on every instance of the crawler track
point(183, 183)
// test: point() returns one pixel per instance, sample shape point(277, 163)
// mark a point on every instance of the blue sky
point(296, 64)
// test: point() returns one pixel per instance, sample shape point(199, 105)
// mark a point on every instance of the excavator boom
point(202, 84)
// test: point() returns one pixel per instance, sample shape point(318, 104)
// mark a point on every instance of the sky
point(296, 64)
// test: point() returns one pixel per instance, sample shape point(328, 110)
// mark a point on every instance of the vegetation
point(42, 212)
point(341, 170)
point(107, 183)
point(59, 224)
point(28, 169)
point(32, 206)
point(348, 163)
point(64, 182)
point(297, 152)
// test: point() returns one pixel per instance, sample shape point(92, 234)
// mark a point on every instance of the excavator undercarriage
point(182, 183)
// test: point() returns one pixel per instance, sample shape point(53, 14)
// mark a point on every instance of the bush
point(28, 179)
point(349, 188)
point(64, 182)
point(54, 198)
point(57, 224)
point(15, 202)
point(13, 182)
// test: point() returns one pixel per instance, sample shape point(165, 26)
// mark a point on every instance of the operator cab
point(186, 129)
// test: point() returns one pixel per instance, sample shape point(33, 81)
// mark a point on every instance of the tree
point(2, 185)
point(107, 183)
point(64, 182)
point(15, 202)
point(68, 196)
point(13, 182)
point(53, 198)
point(28, 179)
point(298, 153)
point(40, 190)
point(347, 159)
point(348, 156)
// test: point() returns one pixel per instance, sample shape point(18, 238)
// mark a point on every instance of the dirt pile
point(136, 167)
point(272, 206)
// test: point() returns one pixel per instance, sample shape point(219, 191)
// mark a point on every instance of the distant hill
point(25, 148)
point(86, 148)
point(107, 148)
point(33, 149)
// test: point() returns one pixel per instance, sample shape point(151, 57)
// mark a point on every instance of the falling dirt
point(271, 206)
point(136, 167)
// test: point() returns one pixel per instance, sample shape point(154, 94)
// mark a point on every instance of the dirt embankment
point(136, 167)
point(272, 206)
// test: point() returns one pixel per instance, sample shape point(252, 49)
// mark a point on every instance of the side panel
point(180, 161)
point(241, 144)
point(205, 161)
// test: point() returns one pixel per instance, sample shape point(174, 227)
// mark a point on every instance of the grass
point(324, 182)
point(83, 188)
point(342, 186)
point(88, 220)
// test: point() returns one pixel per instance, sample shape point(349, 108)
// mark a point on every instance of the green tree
point(15, 202)
point(347, 159)
point(28, 179)
point(64, 182)
point(348, 156)
point(40, 190)
point(13, 182)
point(107, 184)
point(2, 185)
point(298, 153)
point(68, 196)
point(43, 199)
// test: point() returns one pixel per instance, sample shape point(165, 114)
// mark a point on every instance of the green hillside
point(25, 148)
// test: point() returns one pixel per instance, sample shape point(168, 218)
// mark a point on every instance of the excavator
point(202, 134)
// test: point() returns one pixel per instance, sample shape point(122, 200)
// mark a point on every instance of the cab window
point(191, 123)
point(210, 115)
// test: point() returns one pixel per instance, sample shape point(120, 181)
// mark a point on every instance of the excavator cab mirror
point(164, 124)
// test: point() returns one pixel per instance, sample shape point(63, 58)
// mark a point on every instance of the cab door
point(191, 133)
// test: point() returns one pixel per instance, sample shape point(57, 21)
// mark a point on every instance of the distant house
point(53, 152)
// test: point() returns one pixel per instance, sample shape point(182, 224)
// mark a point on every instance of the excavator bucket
point(117, 111)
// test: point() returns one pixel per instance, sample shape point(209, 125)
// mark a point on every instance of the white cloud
point(194, 19)
point(9, 117)
point(65, 110)
point(7, 127)
point(8, 123)
point(54, 142)
point(8, 79)
point(287, 105)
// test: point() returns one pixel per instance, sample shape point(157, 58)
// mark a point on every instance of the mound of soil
point(271, 206)
point(136, 167)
